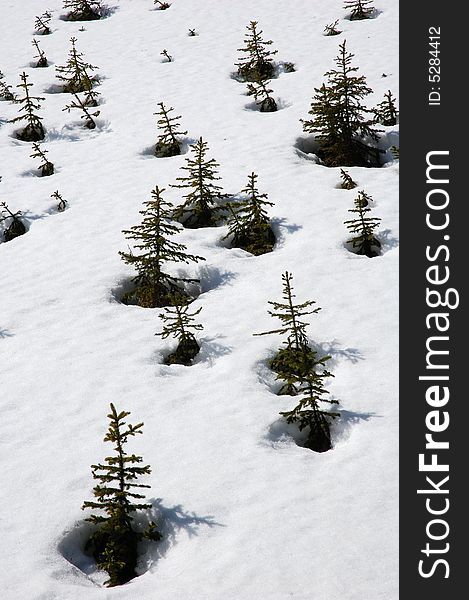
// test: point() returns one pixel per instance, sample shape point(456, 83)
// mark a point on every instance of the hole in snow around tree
point(184, 146)
point(279, 103)
point(307, 147)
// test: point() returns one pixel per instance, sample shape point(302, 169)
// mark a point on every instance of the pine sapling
point(256, 64)
point(161, 5)
point(262, 95)
point(249, 224)
point(42, 23)
point(308, 413)
point(84, 10)
point(13, 226)
point(363, 227)
point(62, 203)
point(168, 143)
point(199, 208)
point(338, 121)
point(168, 57)
point(361, 9)
point(154, 287)
point(76, 72)
point(33, 130)
point(386, 111)
point(79, 104)
point(46, 167)
point(331, 29)
point(5, 90)
point(347, 182)
point(42, 58)
point(178, 322)
point(295, 360)
point(114, 542)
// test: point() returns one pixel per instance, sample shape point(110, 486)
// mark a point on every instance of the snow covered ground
point(247, 514)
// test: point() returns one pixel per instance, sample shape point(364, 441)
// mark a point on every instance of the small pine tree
point(361, 9)
point(153, 286)
point(295, 360)
point(331, 29)
point(42, 58)
point(84, 10)
point(114, 543)
point(42, 23)
point(249, 225)
point(79, 104)
point(347, 182)
point(34, 130)
point(178, 322)
point(338, 117)
point(167, 56)
point(14, 226)
point(308, 414)
point(5, 90)
point(62, 203)
point(199, 209)
point(46, 167)
point(364, 241)
point(257, 63)
point(76, 72)
point(161, 5)
point(262, 96)
point(386, 111)
point(167, 143)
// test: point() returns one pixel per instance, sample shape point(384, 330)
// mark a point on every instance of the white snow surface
point(247, 513)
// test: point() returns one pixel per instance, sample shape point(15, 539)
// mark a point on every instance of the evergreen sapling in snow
point(262, 95)
point(338, 117)
point(257, 64)
point(76, 72)
point(249, 224)
point(363, 227)
point(42, 58)
point(5, 90)
point(178, 322)
point(13, 226)
point(331, 29)
point(295, 360)
point(42, 23)
point(386, 111)
point(347, 182)
point(167, 143)
point(79, 104)
point(46, 167)
point(361, 9)
point(199, 208)
point(33, 130)
point(308, 413)
point(114, 543)
point(167, 56)
point(161, 5)
point(83, 10)
point(153, 286)
point(62, 203)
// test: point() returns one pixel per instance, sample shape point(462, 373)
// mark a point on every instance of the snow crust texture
point(247, 514)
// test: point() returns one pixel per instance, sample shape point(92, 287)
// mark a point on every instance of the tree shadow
point(388, 241)
point(337, 353)
point(170, 521)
